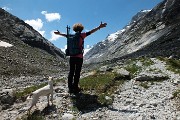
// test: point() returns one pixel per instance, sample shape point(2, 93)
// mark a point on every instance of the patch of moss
point(144, 85)
point(172, 64)
point(27, 91)
point(176, 93)
point(146, 61)
point(37, 115)
point(103, 85)
point(132, 68)
point(176, 96)
point(23, 93)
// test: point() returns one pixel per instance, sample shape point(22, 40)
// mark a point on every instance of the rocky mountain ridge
point(30, 52)
point(155, 33)
point(13, 26)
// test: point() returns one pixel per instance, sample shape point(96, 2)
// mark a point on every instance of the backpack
point(73, 47)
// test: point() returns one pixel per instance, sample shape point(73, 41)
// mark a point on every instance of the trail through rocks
point(131, 102)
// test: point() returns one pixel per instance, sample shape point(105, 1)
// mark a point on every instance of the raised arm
point(58, 33)
point(98, 28)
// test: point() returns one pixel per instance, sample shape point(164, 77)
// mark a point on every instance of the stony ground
point(131, 102)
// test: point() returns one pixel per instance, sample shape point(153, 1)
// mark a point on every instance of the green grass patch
point(97, 81)
point(146, 61)
point(37, 115)
point(136, 65)
point(103, 85)
point(132, 68)
point(176, 97)
point(23, 93)
point(176, 93)
point(27, 90)
point(147, 84)
point(144, 85)
point(172, 64)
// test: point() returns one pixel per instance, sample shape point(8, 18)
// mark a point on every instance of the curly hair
point(78, 27)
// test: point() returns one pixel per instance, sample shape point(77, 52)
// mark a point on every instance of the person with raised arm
point(76, 61)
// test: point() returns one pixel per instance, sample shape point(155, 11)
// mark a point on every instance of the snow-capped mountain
point(139, 15)
point(149, 33)
point(101, 48)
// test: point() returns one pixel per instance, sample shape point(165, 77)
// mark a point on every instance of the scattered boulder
point(176, 81)
point(122, 74)
point(67, 116)
point(150, 77)
point(6, 99)
point(105, 68)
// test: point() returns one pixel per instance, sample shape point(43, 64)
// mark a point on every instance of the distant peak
point(114, 36)
point(145, 11)
point(139, 15)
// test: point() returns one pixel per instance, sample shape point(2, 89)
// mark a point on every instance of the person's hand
point(102, 25)
point(57, 32)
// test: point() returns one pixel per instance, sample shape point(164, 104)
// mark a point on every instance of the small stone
point(107, 98)
point(67, 116)
point(55, 115)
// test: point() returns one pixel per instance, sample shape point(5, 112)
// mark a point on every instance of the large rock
point(122, 74)
point(150, 77)
point(67, 116)
point(6, 98)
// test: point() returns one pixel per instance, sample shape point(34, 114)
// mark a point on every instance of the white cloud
point(87, 48)
point(36, 24)
point(63, 49)
point(51, 16)
point(6, 8)
point(54, 36)
point(42, 33)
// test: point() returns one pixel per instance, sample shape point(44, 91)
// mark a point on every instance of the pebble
point(67, 116)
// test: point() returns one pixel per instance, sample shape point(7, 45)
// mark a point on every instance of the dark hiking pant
point(74, 74)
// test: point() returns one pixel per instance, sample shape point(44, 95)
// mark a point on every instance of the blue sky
point(49, 15)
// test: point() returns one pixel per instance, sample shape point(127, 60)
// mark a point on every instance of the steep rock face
point(30, 53)
point(153, 33)
point(11, 26)
point(139, 15)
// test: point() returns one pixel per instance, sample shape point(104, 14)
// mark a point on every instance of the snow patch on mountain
point(114, 36)
point(5, 44)
point(139, 15)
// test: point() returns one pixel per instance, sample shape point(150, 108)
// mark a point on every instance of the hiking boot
point(77, 90)
point(70, 91)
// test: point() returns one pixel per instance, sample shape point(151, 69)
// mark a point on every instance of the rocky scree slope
point(131, 100)
point(30, 54)
point(150, 33)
